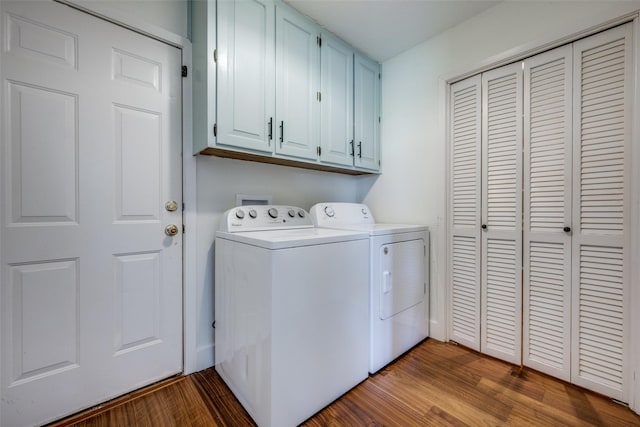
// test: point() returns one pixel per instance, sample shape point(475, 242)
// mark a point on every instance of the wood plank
point(435, 384)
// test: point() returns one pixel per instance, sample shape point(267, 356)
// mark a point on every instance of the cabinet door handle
point(270, 129)
point(567, 229)
point(352, 148)
point(360, 149)
point(281, 132)
point(484, 226)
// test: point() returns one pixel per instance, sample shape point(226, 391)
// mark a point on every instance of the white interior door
point(601, 176)
point(464, 246)
point(91, 138)
point(501, 271)
point(547, 211)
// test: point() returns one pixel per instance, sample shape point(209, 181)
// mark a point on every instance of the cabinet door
point(297, 85)
point(336, 124)
point(464, 246)
point(245, 74)
point(602, 73)
point(547, 211)
point(367, 113)
point(501, 277)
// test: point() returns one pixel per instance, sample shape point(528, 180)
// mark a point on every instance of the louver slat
point(465, 310)
point(602, 64)
point(600, 312)
point(601, 212)
point(547, 208)
point(502, 212)
point(465, 212)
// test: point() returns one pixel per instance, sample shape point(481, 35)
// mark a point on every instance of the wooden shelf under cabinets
point(230, 154)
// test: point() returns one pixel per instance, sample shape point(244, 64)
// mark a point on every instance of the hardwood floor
point(435, 384)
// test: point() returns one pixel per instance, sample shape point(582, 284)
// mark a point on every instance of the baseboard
point(205, 357)
point(436, 331)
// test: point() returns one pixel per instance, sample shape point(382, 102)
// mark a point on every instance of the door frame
point(518, 54)
point(189, 272)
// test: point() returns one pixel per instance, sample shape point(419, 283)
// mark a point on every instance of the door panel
point(297, 85)
point(465, 137)
point(245, 80)
point(602, 147)
point(91, 285)
point(336, 127)
point(547, 210)
point(402, 276)
point(367, 113)
point(501, 278)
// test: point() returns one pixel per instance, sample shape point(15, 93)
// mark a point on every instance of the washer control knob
point(291, 213)
point(253, 214)
point(328, 210)
point(301, 213)
point(273, 212)
point(239, 214)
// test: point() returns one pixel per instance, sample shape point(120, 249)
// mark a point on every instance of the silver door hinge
point(215, 129)
point(319, 151)
point(185, 71)
point(319, 97)
point(215, 55)
point(319, 40)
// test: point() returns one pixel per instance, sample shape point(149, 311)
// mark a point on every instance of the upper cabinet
point(336, 123)
point(274, 87)
point(297, 84)
point(246, 83)
point(367, 113)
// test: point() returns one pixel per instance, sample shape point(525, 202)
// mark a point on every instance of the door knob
point(484, 226)
point(171, 206)
point(171, 230)
point(567, 229)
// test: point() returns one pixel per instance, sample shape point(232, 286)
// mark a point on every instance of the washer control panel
point(340, 214)
point(264, 217)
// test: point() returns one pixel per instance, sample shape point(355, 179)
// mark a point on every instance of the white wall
point(161, 18)
point(412, 186)
point(219, 180)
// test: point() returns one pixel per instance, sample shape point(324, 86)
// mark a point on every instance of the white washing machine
point(399, 278)
point(291, 318)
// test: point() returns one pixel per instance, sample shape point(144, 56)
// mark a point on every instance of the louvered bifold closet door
point(547, 211)
point(464, 255)
point(501, 266)
point(601, 137)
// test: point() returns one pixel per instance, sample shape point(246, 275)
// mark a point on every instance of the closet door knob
point(567, 229)
point(484, 226)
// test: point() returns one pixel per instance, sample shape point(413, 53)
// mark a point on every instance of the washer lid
point(291, 238)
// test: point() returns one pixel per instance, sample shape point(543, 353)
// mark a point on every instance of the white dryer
point(291, 319)
point(399, 278)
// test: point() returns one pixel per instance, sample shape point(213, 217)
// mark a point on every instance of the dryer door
point(402, 271)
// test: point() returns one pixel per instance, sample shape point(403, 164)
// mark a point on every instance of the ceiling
point(384, 28)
